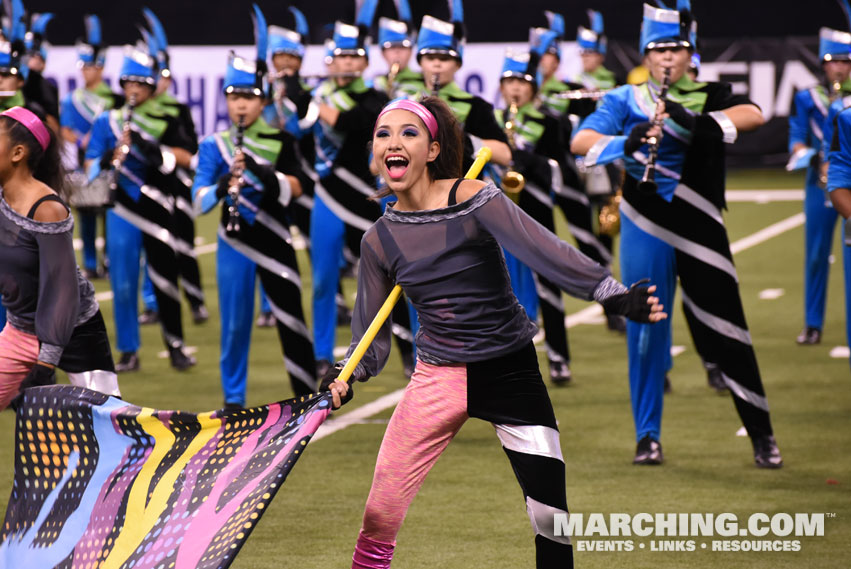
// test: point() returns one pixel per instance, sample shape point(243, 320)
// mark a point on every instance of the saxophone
point(123, 150)
point(391, 78)
point(237, 181)
point(648, 181)
point(513, 181)
point(610, 215)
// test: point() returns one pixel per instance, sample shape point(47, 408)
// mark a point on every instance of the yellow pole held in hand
point(483, 156)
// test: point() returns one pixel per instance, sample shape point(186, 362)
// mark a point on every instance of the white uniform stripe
point(539, 194)
point(275, 226)
point(590, 239)
point(163, 284)
point(746, 394)
point(543, 520)
point(700, 252)
point(574, 195)
point(148, 227)
point(720, 325)
point(547, 295)
point(353, 181)
point(299, 373)
point(530, 439)
point(340, 211)
point(191, 288)
point(264, 261)
point(696, 200)
point(289, 320)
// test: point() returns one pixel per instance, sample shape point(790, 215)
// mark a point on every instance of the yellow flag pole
point(483, 156)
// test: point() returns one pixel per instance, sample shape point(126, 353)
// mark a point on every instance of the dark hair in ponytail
point(450, 137)
point(448, 163)
point(45, 165)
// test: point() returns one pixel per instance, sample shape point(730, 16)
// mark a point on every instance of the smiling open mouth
point(396, 166)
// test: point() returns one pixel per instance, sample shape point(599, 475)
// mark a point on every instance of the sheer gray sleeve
point(374, 285)
point(538, 247)
point(58, 293)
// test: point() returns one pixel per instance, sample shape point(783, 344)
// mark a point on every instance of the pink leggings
point(432, 410)
point(18, 353)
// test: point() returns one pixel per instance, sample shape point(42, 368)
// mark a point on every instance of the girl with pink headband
point(53, 319)
point(441, 242)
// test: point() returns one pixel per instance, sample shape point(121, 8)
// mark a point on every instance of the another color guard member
point(676, 229)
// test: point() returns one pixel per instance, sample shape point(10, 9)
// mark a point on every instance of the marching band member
point(143, 214)
point(78, 112)
point(36, 87)
point(676, 229)
point(441, 241)
point(347, 109)
point(839, 186)
point(592, 49)
point(253, 170)
point(396, 39)
point(806, 126)
point(538, 154)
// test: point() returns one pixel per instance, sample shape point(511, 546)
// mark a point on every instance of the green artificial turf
point(470, 512)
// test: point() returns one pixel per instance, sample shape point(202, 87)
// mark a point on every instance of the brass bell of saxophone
point(391, 78)
point(610, 215)
point(513, 182)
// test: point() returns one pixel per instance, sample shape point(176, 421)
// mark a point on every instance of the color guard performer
point(671, 224)
point(253, 170)
point(136, 148)
point(808, 147)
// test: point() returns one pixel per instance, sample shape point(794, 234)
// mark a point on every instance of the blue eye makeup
point(382, 132)
point(410, 132)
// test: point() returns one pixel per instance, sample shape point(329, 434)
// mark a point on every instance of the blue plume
point(157, 30)
point(457, 10)
point(40, 22)
point(261, 33)
point(846, 7)
point(17, 27)
point(662, 5)
point(150, 41)
point(93, 35)
point(684, 5)
point(556, 23)
point(596, 19)
point(404, 10)
point(300, 23)
point(367, 13)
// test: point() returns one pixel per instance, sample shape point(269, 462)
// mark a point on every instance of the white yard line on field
point(581, 317)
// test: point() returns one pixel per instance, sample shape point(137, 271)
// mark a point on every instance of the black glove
point(847, 234)
point(223, 185)
point(680, 115)
point(632, 304)
point(149, 150)
point(267, 177)
point(106, 159)
point(635, 138)
point(39, 375)
point(330, 377)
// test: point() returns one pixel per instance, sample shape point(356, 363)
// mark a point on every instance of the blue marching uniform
point(839, 176)
point(678, 231)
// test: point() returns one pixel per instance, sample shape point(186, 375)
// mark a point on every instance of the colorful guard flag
point(103, 484)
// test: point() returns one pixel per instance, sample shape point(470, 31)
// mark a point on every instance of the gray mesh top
point(449, 263)
point(43, 290)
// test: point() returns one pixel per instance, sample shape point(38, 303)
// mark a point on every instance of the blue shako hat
point(13, 47)
point(544, 40)
point(439, 37)
point(138, 66)
point(593, 38)
point(35, 39)
point(244, 75)
point(835, 45)
point(666, 28)
point(158, 42)
point(283, 40)
point(397, 33)
point(91, 51)
point(522, 65)
point(353, 40)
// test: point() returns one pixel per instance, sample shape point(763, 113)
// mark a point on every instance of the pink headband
point(32, 122)
point(416, 108)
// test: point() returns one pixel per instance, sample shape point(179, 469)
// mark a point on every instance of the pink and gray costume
point(52, 314)
point(475, 355)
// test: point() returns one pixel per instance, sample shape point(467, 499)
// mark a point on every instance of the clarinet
point(648, 181)
point(123, 151)
point(435, 85)
point(235, 187)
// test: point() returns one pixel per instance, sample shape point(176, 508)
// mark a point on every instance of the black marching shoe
point(809, 336)
point(149, 316)
point(128, 361)
point(765, 452)
point(265, 320)
point(200, 314)
point(560, 373)
point(715, 378)
point(180, 360)
point(648, 451)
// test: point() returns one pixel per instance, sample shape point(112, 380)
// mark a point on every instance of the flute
point(648, 181)
point(237, 180)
